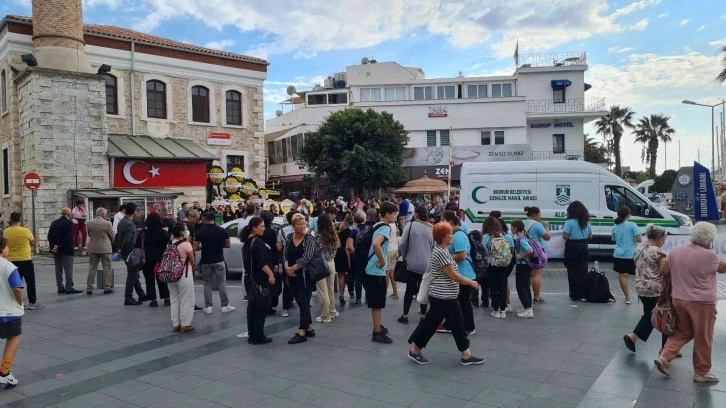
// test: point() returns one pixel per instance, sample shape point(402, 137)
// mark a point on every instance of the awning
point(147, 147)
point(126, 192)
point(560, 83)
point(269, 137)
point(291, 179)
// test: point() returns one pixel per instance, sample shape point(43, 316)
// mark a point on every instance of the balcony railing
point(554, 59)
point(550, 155)
point(584, 105)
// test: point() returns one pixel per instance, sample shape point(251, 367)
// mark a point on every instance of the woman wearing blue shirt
point(626, 235)
point(578, 232)
point(523, 252)
point(486, 241)
point(538, 231)
point(460, 251)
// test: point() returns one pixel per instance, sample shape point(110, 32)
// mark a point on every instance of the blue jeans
point(218, 273)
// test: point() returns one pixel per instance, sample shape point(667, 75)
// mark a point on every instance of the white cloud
point(718, 43)
point(276, 91)
point(307, 28)
point(685, 22)
point(219, 45)
point(662, 15)
point(701, 28)
point(619, 50)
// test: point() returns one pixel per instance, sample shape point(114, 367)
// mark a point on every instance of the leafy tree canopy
point(664, 182)
point(357, 148)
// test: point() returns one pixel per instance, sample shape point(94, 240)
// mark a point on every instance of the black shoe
point(249, 340)
point(266, 340)
point(310, 333)
point(272, 312)
point(297, 339)
point(630, 344)
point(132, 302)
point(143, 298)
point(475, 304)
point(197, 309)
point(167, 302)
point(384, 330)
point(342, 300)
point(62, 291)
point(472, 360)
point(418, 358)
point(89, 292)
point(381, 337)
point(153, 303)
point(403, 319)
point(358, 302)
point(107, 292)
point(73, 291)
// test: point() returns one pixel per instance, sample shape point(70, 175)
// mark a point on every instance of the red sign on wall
point(158, 173)
point(31, 181)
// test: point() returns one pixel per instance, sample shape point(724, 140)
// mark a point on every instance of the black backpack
point(363, 244)
point(598, 288)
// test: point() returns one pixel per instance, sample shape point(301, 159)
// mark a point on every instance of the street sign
point(31, 181)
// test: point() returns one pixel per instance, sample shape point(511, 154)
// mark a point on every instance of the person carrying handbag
point(300, 248)
point(262, 279)
point(415, 248)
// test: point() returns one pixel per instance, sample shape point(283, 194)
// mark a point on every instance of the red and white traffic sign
point(31, 180)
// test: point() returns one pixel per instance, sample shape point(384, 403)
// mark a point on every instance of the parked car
point(233, 254)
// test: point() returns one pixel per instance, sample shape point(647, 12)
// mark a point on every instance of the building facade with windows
point(109, 115)
point(537, 113)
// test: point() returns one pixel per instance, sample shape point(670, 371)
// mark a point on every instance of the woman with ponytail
point(626, 235)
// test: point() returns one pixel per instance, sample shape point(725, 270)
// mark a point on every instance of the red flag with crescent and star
point(158, 173)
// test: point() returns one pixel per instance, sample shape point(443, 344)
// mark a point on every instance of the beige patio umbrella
point(424, 185)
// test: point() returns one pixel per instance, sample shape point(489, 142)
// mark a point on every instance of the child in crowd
point(11, 313)
point(523, 252)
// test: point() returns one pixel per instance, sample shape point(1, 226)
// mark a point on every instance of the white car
point(233, 254)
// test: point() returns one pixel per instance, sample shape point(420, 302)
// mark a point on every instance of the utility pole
point(679, 154)
point(665, 156)
point(699, 155)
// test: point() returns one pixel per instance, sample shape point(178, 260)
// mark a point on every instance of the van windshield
point(619, 196)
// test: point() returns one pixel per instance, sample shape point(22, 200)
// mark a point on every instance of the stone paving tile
point(241, 398)
point(39, 387)
point(560, 393)
point(91, 400)
point(536, 402)
point(336, 399)
point(211, 391)
point(277, 402)
point(499, 398)
point(571, 380)
point(599, 400)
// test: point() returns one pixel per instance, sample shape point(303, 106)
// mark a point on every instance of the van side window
point(619, 196)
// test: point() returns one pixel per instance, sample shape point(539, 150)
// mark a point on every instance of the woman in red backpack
point(181, 292)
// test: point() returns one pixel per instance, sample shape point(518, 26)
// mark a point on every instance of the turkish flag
point(158, 173)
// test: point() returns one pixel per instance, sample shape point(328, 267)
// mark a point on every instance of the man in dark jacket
point(125, 244)
point(60, 238)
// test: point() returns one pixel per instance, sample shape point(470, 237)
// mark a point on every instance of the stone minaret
point(58, 35)
point(62, 114)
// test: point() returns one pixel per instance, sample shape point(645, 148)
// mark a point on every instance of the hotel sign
point(551, 125)
point(438, 111)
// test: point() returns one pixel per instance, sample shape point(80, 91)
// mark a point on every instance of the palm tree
point(611, 127)
point(595, 152)
point(650, 131)
point(722, 76)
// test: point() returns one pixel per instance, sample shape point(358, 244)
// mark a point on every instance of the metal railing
point(569, 106)
point(550, 155)
point(553, 59)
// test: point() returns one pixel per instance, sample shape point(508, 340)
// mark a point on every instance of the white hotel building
point(537, 113)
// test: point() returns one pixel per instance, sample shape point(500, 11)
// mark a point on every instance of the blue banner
point(704, 196)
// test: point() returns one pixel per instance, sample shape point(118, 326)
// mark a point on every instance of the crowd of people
point(367, 247)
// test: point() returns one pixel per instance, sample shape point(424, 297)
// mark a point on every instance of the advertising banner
point(439, 156)
point(704, 196)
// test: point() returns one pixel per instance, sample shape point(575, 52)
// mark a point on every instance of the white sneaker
point(315, 294)
point(709, 377)
point(208, 310)
point(503, 315)
point(321, 320)
point(495, 314)
point(509, 309)
point(9, 379)
point(228, 309)
point(285, 313)
point(628, 302)
point(337, 313)
point(527, 314)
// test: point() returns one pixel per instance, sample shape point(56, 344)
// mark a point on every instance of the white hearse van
point(552, 186)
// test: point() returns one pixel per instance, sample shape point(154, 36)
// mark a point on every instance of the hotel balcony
point(553, 59)
point(586, 107)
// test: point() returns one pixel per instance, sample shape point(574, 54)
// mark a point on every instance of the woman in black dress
point(342, 257)
point(155, 240)
point(228, 215)
point(299, 250)
point(260, 262)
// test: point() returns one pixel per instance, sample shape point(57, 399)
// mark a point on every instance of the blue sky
point(647, 54)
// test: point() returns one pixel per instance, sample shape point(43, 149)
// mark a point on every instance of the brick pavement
point(85, 351)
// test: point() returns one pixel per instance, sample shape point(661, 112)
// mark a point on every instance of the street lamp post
point(713, 134)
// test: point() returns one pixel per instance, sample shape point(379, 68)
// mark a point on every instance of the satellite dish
point(278, 113)
point(364, 61)
point(291, 90)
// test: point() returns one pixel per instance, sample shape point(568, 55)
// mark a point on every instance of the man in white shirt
point(118, 217)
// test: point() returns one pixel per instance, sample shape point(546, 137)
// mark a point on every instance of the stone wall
point(9, 139)
point(249, 138)
point(62, 121)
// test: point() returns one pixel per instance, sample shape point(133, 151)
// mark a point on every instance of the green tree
point(650, 131)
point(595, 152)
point(611, 127)
point(357, 149)
point(722, 75)
point(664, 182)
point(640, 176)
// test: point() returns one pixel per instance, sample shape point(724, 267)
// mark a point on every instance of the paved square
point(91, 351)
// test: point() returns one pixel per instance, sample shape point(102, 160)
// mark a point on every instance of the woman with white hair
point(692, 269)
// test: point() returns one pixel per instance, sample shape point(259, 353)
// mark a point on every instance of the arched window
point(234, 108)
point(156, 99)
point(3, 92)
point(111, 95)
point(200, 104)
